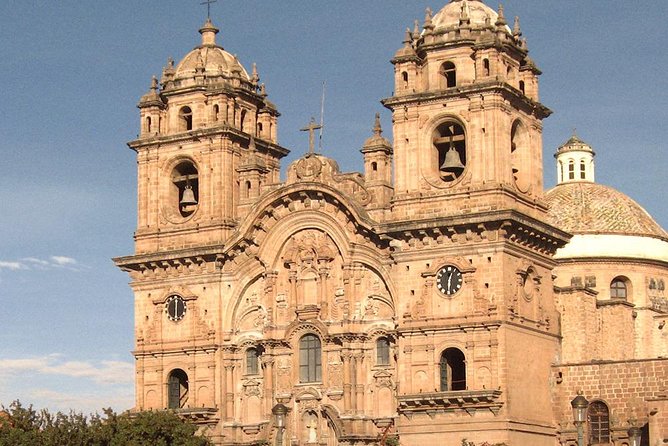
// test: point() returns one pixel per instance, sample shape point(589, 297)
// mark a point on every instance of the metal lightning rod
point(322, 116)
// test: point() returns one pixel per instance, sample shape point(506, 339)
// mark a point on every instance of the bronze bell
point(188, 198)
point(452, 161)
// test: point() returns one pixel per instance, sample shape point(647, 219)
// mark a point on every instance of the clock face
point(449, 280)
point(175, 308)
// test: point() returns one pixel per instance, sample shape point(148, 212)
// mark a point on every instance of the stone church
point(440, 297)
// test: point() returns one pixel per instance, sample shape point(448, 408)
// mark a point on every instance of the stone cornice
point(469, 401)
point(465, 91)
point(508, 225)
point(214, 133)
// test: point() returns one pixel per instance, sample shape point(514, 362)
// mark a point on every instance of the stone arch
point(172, 187)
point(433, 159)
point(330, 413)
point(235, 308)
point(298, 329)
point(282, 202)
point(258, 250)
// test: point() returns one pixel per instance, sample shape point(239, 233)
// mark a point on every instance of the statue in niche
point(311, 424)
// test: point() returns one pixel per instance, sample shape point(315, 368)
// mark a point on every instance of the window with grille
point(252, 367)
point(618, 289)
point(382, 351)
point(310, 360)
point(598, 418)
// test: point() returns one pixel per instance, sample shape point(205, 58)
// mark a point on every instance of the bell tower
point(471, 246)
point(207, 144)
point(207, 149)
point(467, 121)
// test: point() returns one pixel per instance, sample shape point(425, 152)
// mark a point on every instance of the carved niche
point(309, 258)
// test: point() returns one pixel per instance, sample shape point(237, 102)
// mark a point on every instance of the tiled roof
point(590, 208)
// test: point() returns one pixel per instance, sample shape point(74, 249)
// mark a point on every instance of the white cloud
point(63, 261)
point(12, 265)
point(101, 373)
point(33, 263)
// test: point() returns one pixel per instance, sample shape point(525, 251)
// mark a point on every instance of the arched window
point(449, 74)
point(571, 170)
point(382, 351)
point(185, 119)
point(260, 127)
point(619, 289)
point(374, 166)
point(485, 67)
point(148, 124)
point(453, 370)
point(583, 169)
point(310, 361)
point(522, 88)
point(598, 418)
point(404, 76)
point(216, 112)
point(177, 389)
point(252, 361)
point(449, 141)
point(247, 189)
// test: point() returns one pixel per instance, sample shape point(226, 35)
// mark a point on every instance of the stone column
point(268, 374)
point(359, 381)
point(347, 384)
point(229, 391)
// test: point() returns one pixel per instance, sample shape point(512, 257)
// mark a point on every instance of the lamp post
point(579, 405)
point(279, 411)
point(635, 435)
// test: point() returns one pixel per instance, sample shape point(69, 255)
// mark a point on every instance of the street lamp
point(580, 405)
point(635, 435)
point(279, 411)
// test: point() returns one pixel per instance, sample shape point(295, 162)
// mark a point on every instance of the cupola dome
point(475, 12)
point(208, 63)
point(575, 161)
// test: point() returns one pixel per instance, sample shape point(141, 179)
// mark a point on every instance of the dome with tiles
point(590, 208)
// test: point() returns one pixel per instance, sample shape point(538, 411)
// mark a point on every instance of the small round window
point(175, 308)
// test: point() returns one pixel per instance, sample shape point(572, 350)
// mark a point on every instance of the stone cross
point(311, 128)
point(208, 7)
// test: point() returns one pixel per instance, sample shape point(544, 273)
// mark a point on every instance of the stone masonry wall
point(633, 390)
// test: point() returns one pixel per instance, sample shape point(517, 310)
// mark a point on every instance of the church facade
point(442, 296)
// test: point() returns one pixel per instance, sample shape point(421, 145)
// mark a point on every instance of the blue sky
point(72, 73)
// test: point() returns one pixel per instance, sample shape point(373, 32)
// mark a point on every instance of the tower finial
point(517, 32)
point(428, 23)
point(255, 77)
point(501, 21)
point(208, 7)
point(377, 130)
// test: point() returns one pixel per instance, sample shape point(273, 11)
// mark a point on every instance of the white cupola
point(575, 162)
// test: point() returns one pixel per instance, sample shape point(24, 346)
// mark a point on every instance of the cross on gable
point(311, 128)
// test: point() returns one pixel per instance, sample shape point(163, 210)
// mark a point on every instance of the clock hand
point(449, 282)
